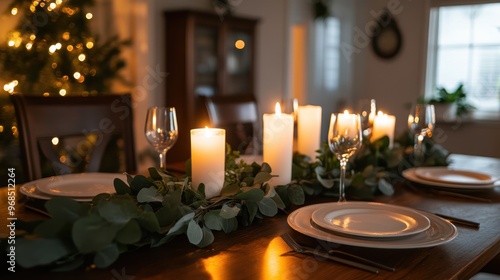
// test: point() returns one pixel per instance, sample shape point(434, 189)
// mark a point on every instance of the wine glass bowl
point(421, 122)
point(344, 139)
point(161, 130)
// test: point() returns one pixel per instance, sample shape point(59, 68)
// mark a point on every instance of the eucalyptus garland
point(150, 211)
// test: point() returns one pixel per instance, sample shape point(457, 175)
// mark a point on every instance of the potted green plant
point(450, 105)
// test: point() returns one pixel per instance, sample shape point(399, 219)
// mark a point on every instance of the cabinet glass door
point(239, 63)
point(205, 60)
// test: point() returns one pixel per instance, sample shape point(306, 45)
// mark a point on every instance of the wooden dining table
point(258, 252)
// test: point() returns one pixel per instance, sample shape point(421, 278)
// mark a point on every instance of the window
point(464, 47)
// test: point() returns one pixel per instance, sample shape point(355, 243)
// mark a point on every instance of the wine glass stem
point(163, 159)
point(418, 153)
point(343, 163)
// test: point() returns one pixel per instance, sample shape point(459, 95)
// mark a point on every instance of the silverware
point(305, 250)
point(376, 264)
point(460, 221)
point(461, 195)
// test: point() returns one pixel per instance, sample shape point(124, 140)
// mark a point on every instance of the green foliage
point(150, 211)
point(458, 96)
point(373, 169)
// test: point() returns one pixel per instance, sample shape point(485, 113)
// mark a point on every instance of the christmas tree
point(52, 52)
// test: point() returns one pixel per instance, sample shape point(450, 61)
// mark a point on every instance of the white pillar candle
point(208, 157)
point(309, 130)
point(384, 124)
point(345, 124)
point(278, 145)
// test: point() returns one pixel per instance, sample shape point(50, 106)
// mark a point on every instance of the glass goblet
point(344, 139)
point(421, 122)
point(161, 130)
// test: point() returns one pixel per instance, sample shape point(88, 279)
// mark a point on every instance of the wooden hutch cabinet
point(206, 56)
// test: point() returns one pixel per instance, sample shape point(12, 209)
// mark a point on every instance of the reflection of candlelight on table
point(384, 124)
point(208, 158)
point(309, 130)
point(278, 145)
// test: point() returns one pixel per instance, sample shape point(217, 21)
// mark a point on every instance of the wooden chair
point(238, 115)
point(60, 135)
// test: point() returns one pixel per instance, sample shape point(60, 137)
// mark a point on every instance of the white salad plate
point(367, 219)
point(410, 174)
point(439, 232)
point(82, 186)
point(454, 176)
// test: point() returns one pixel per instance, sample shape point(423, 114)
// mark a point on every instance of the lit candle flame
point(277, 109)
point(346, 112)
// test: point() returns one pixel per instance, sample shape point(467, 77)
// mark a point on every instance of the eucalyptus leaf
point(266, 167)
point(130, 233)
point(296, 194)
point(154, 174)
point(252, 209)
point(228, 212)
point(229, 225)
point(208, 238)
point(181, 225)
point(53, 228)
point(229, 190)
point(37, 252)
point(262, 177)
point(106, 256)
point(167, 215)
point(65, 208)
point(279, 202)
point(385, 187)
point(149, 195)
point(121, 187)
point(212, 220)
point(93, 233)
point(194, 232)
point(268, 207)
point(139, 182)
point(119, 210)
point(252, 194)
point(148, 221)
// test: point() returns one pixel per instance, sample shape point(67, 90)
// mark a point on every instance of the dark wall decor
point(387, 39)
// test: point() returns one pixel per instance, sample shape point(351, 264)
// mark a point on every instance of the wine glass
point(161, 130)
point(344, 139)
point(367, 109)
point(421, 121)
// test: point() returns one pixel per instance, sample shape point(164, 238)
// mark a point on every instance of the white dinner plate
point(80, 185)
point(30, 190)
point(454, 176)
point(369, 219)
point(410, 175)
point(439, 232)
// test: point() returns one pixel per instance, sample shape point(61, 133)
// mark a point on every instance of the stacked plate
point(81, 186)
point(373, 225)
point(444, 177)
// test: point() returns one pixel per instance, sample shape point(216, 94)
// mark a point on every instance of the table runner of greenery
point(151, 211)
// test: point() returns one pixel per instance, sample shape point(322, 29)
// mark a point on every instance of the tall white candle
point(384, 124)
point(208, 158)
point(278, 145)
point(309, 130)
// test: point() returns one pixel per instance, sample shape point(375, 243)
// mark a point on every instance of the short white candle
point(383, 125)
point(278, 145)
point(345, 124)
point(309, 130)
point(208, 159)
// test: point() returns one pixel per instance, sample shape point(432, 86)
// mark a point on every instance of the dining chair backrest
point(61, 135)
point(238, 115)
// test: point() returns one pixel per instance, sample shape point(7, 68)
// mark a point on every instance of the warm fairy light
point(14, 131)
point(52, 49)
point(58, 2)
point(52, 6)
point(55, 141)
point(13, 11)
point(42, 4)
point(35, 3)
point(45, 94)
point(29, 46)
point(69, 48)
point(15, 39)
point(65, 77)
point(32, 37)
point(1, 128)
point(239, 44)
point(79, 46)
point(82, 57)
point(66, 36)
point(81, 79)
point(62, 92)
point(89, 15)
point(32, 9)
point(58, 46)
point(10, 87)
point(77, 75)
point(53, 65)
point(89, 45)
